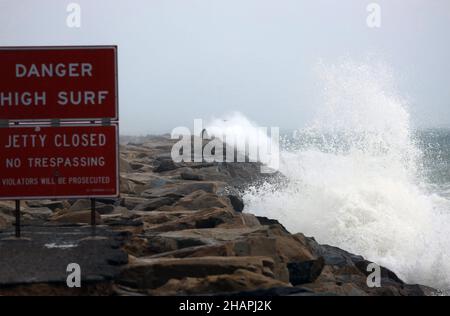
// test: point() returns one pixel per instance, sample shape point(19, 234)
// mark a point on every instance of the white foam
point(361, 188)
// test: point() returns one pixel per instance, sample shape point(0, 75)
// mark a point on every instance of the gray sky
point(186, 59)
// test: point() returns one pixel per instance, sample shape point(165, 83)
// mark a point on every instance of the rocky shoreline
point(177, 229)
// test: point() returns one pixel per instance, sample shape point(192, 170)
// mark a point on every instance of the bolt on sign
point(58, 83)
point(58, 122)
point(65, 161)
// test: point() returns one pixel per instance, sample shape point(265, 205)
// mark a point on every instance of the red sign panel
point(49, 162)
point(38, 83)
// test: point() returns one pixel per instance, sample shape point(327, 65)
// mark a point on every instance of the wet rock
point(136, 166)
point(53, 205)
point(126, 186)
point(244, 173)
point(122, 222)
point(250, 241)
point(201, 200)
point(38, 212)
point(240, 280)
point(236, 202)
point(207, 250)
point(154, 203)
point(137, 246)
point(206, 236)
point(105, 208)
point(157, 182)
point(189, 174)
point(81, 217)
point(181, 189)
point(301, 272)
point(165, 164)
point(268, 221)
point(130, 202)
point(154, 273)
point(108, 201)
point(209, 218)
point(124, 165)
point(85, 204)
point(335, 289)
point(4, 224)
point(233, 196)
point(159, 217)
point(80, 205)
point(7, 207)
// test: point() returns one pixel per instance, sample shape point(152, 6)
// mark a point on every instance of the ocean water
point(361, 177)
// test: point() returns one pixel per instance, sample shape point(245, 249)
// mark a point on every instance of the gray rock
point(233, 195)
point(38, 212)
point(305, 271)
point(105, 208)
point(155, 203)
point(269, 221)
point(81, 205)
point(165, 164)
point(181, 189)
point(236, 202)
point(130, 202)
point(53, 205)
point(191, 175)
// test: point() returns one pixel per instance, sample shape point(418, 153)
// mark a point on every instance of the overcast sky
point(186, 59)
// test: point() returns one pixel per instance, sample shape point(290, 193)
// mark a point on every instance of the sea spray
point(356, 179)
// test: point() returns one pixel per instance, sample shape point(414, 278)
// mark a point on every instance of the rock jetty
point(177, 229)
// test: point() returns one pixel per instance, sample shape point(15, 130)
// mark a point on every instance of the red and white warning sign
point(66, 161)
point(58, 83)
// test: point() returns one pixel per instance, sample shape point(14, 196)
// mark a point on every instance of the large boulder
point(80, 205)
point(154, 273)
point(165, 163)
point(154, 203)
point(7, 207)
point(124, 165)
point(81, 217)
point(207, 218)
point(240, 280)
point(42, 213)
point(190, 174)
point(307, 271)
point(181, 189)
point(130, 202)
point(4, 224)
point(200, 199)
point(244, 241)
point(53, 205)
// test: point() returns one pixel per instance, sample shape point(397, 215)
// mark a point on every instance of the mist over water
point(361, 179)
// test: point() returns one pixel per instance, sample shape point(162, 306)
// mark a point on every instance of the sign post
point(58, 124)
